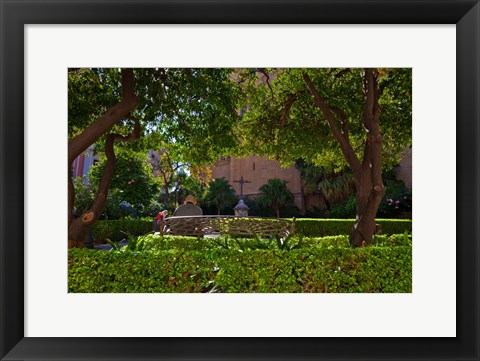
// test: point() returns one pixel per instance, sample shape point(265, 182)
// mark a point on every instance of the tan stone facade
point(257, 170)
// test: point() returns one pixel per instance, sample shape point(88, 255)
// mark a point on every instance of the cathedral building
point(252, 172)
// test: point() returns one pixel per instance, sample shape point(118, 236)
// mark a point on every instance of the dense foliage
point(220, 195)
point(326, 227)
point(287, 125)
point(352, 118)
point(134, 110)
point(191, 110)
point(132, 178)
point(275, 195)
point(397, 203)
point(117, 229)
point(346, 209)
point(183, 264)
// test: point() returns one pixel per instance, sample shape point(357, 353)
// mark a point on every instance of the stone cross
point(241, 181)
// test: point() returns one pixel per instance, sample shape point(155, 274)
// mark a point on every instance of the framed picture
point(272, 18)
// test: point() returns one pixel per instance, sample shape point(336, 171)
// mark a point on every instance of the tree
point(192, 110)
point(172, 175)
point(194, 187)
point(132, 177)
point(220, 194)
point(335, 118)
point(337, 187)
point(196, 183)
point(169, 171)
point(275, 194)
point(85, 195)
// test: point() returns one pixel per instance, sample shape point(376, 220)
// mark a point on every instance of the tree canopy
point(133, 177)
point(334, 118)
point(220, 194)
point(281, 120)
point(275, 194)
point(191, 110)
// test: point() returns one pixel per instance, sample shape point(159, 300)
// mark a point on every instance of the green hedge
point(314, 269)
point(163, 243)
point(311, 227)
point(115, 230)
point(314, 227)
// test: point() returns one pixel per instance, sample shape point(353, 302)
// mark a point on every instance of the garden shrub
point(187, 264)
point(132, 176)
point(397, 201)
point(168, 271)
point(162, 243)
point(259, 208)
point(346, 209)
point(85, 194)
point(328, 227)
point(117, 229)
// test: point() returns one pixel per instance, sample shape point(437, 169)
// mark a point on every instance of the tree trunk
point(79, 227)
point(71, 196)
point(370, 188)
point(167, 194)
point(368, 201)
point(368, 173)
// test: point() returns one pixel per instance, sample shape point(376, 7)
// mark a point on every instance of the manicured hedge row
point(311, 227)
point(163, 243)
point(314, 227)
point(314, 269)
point(115, 230)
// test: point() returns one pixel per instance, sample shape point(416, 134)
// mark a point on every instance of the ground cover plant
point(293, 264)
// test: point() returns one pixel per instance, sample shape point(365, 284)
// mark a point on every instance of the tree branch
point(265, 73)
point(101, 195)
point(103, 124)
point(341, 72)
point(288, 105)
point(137, 129)
point(328, 112)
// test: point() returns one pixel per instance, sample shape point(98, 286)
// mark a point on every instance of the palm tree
point(338, 187)
point(335, 188)
point(276, 194)
point(310, 176)
point(220, 194)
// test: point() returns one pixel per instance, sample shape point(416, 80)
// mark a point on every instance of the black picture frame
point(15, 14)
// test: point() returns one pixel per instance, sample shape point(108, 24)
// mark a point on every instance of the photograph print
point(240, 180)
